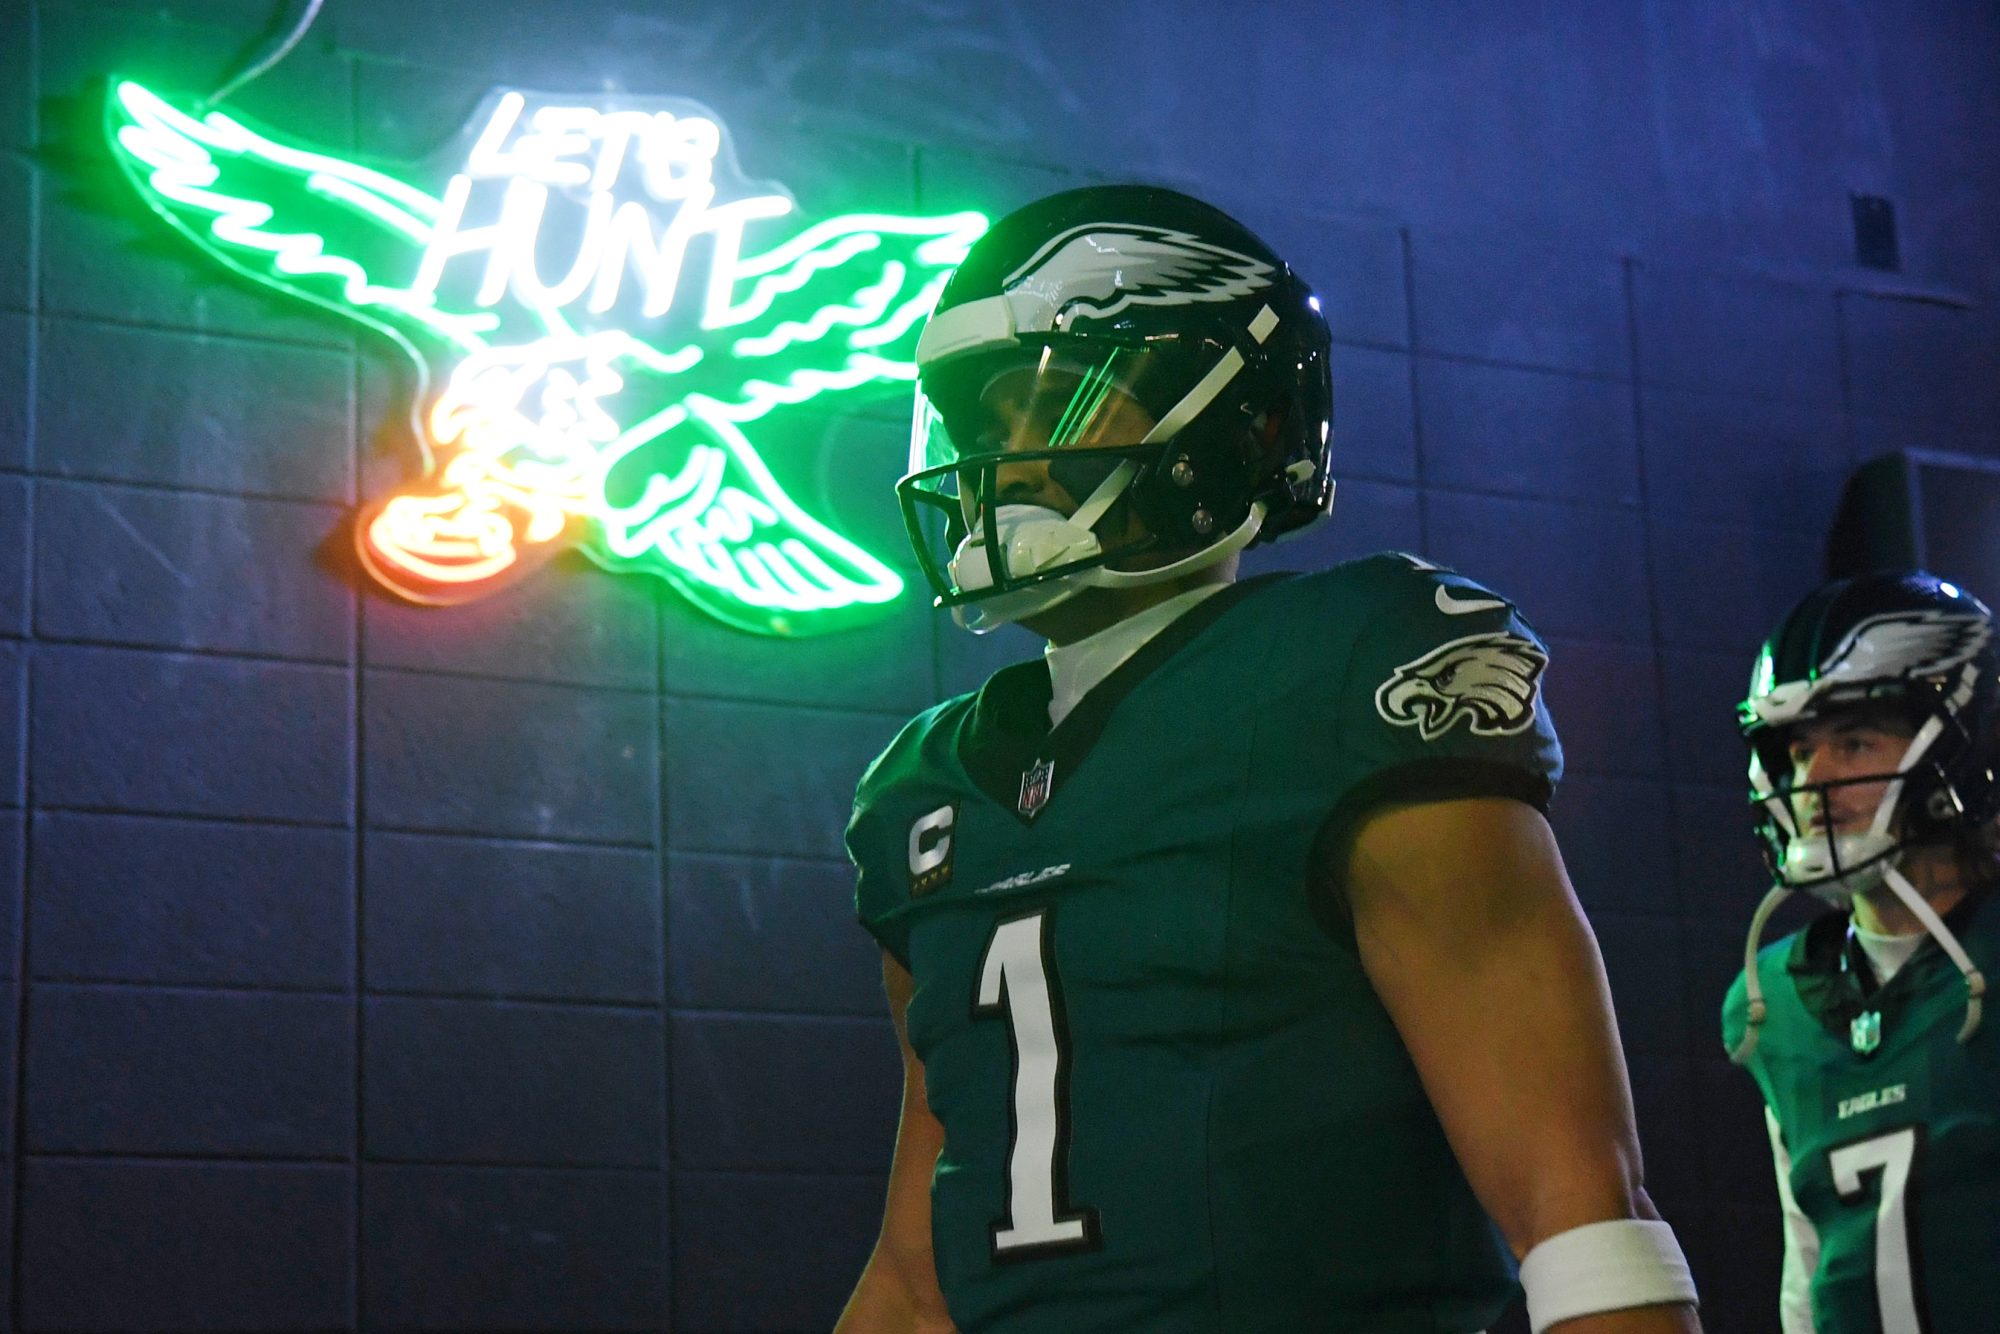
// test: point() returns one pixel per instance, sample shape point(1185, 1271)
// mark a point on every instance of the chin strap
point(1752, 987)
point(1975, 981)
point(1212, 554)
point(1105, 496)
point(1906, 893)
point(1075, 539)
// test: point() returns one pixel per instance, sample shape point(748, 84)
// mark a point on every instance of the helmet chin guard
point(1032, 538)
point(1836, 869)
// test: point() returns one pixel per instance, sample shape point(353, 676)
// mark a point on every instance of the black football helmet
point(1114, 372)
point(1907, 642)
point(1911, 642)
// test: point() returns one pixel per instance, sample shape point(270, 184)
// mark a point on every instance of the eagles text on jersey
point(1171, 1099)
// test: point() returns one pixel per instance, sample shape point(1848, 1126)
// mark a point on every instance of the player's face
point(1026, 409)
point(1837, 750)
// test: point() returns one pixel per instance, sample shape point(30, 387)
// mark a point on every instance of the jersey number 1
point(1017, 980)
point(1892, 1155)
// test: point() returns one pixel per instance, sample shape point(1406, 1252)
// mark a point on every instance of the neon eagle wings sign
point(595, 335)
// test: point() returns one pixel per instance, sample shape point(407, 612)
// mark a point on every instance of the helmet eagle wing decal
point(1096, 271)
point(1906, 643)
point(1892, 646)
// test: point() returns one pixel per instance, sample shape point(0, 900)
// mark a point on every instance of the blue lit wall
point(493, 967)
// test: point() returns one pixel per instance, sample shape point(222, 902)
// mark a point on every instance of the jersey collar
point(1832, 974)
point(1076, 668)
point(1008, 748)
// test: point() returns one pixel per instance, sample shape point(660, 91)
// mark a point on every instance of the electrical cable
point(283, 49)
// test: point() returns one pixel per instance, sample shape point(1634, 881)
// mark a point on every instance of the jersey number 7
point(1893, 1155)
point(1018, 982)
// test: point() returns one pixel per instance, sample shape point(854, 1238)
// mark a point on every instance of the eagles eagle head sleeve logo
point(1488, 680)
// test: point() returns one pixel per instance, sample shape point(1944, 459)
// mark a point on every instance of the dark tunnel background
point(494, 968)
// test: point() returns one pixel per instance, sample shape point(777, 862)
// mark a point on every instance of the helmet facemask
point(1819, 858)
point(1052, 464)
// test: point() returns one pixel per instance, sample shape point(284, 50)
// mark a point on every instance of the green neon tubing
point(580, 421)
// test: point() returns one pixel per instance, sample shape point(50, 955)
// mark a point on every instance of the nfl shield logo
point(1865, 1033)
point(1035, 786)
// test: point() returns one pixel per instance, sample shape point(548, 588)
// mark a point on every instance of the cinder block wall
point(492, 967)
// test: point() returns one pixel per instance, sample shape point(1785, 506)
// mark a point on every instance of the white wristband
point(1611, 1266)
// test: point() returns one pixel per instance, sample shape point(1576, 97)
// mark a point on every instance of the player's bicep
point(900, 986)
point(1467, 929)
point(898, 1291)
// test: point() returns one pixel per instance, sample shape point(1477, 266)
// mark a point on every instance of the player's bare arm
point(1470, 934)
point(898, 1291)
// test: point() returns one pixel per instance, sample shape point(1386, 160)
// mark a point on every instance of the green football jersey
point(1171, 1100)
point(1892, 1125)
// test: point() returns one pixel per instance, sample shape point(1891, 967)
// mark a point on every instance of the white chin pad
point(1811, 864)
point(1033, 539)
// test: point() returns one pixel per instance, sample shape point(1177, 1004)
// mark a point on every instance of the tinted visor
point(1061, 399)
point(1077, 425)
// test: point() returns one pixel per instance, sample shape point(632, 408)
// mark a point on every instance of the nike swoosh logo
point(1452, 606)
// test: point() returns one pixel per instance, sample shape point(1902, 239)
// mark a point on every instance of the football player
point(1239, 982)
point(1874, 742)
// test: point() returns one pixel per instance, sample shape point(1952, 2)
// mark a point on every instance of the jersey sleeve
point(1443, 696)
point(1735, 1014)
point(883, 846)
point(1441, 699)
point(878, 893)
